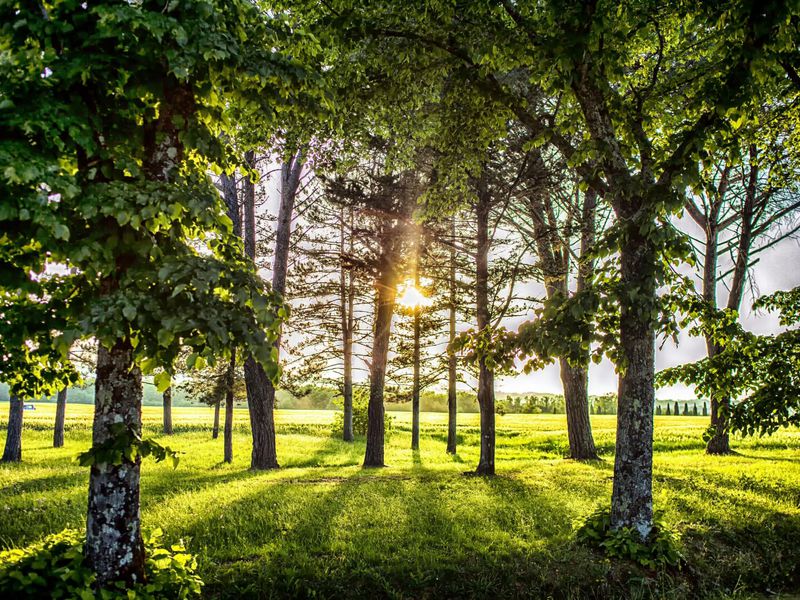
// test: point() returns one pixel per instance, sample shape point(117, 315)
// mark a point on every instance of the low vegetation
point(321, 526)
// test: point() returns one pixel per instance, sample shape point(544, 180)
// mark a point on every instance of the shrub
point(360, 418)
point(659, 550)
point(54, 568)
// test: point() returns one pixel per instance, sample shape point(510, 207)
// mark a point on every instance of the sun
point(411, 297)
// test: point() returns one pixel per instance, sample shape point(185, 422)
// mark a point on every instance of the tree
point(127, 164)
point(746, 202)
point(761, 371)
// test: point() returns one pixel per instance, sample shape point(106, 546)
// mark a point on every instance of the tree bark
point(260, 402)
point(485, 374)
point(228, 433)
point(167, 401)
point(346, 305)
point(576, 397)
point(452, 397)
point(632, 496)
point(215, 430)
point(13, 448)
point(61, 413)
point(386, 293)
point(114, 547)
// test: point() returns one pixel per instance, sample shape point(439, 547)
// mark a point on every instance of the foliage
point(54, 568)
point(360, 415)
point(659, 550)
point(125, 443)
point(761, 373)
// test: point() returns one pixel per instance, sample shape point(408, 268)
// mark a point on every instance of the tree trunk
point(452, 397)
point(555, 265)
point(61, 413)
point(167, 400)
point(228, 434)
point(215, 430)
point(386, 293)
point(576, 397)
point(346, 304)
point(632, 497)
point(485, 374)
point(720, 439)
point(576, 379)
point(260, 402)
point(114, 548)
point(13, 449)
point(415, 387)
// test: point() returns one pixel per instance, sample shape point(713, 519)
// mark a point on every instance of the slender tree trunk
point(485, 374)
point(386, 293)
point(452, 397)
point(576, 379)
point(720, 439)
point(61, 413)
point(13, 449)
point(215, 430)
point(415, 387)
point(114, 547)
point(228, 434)
point(555, 265)
point(346, 303)
point(167, 401)
point(260, 402)
point(632, 496)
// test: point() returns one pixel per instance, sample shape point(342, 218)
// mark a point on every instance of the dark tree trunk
point(228, 434)
point(167, 400)
point(415, 388)
point(485, 374)
point(555, 264)
point(452, 397)
point(346, 304)
point(61, 413)
point(114, 548)
point(13, 449)
point(262, 417)
point(576, 379)
point(215, 430)
point(380, 353)
point(576, 397)
point(632, 497)
point(260, 402)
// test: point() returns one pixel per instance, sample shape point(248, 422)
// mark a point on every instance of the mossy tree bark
point(114, 547)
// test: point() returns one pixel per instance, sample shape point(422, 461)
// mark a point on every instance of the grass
point(323, 527)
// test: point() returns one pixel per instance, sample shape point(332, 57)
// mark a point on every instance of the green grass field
point(323, 527)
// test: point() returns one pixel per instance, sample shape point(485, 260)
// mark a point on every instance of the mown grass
point(321, 526)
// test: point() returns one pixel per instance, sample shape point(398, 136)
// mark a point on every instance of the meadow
point(321, 526)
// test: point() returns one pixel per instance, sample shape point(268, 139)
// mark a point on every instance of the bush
point(360, 412)
point(658, 551)
point(54, 568)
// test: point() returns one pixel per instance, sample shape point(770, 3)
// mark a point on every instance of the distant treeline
point(327, 398)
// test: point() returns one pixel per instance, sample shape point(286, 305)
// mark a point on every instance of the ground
point(323, 527)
